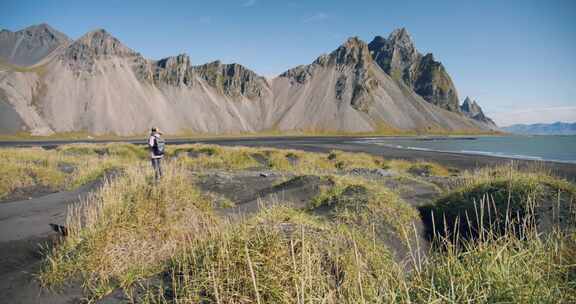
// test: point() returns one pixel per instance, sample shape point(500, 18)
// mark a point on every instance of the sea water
point(560, 148)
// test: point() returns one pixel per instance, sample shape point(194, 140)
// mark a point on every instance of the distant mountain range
point(557, 128)
point(95, 84)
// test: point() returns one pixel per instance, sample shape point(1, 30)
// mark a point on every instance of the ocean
point(561, 148)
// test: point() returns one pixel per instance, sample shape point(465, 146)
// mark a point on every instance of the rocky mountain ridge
point(98, 85)
point(29, 46)
point(471, 109)
point(399, 58)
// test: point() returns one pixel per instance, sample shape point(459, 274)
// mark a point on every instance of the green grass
point(501, 198)
point(535, 269)
point(364, 204)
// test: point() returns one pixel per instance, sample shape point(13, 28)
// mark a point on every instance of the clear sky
point(516, 58)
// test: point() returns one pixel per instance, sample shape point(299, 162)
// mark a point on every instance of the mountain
point(347, 91)
point(98, 85)
point(471, 109)
point(557, 128)
point(30, 45)
point(399, 58)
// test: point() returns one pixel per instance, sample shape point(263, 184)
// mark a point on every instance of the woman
point(157, 147)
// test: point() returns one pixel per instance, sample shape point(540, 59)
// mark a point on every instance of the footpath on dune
point(24, 231)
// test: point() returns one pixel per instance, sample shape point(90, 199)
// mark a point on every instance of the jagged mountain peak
point(180, 59)
point(353, 51)
point(213, 63)
point(379, 40)
point(30, 45)
point(232, 79)
point(468, 101)
point(97, 44)
point(173, 70)
point(470, 106)
point(42, 25)
point(44, 29)
point(353, 42)
point(103, 43)
point(95, 32)
point(399, 58)
point(400, 35)
point(429, 57)
point(472, 109)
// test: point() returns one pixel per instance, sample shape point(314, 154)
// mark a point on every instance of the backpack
point(159, 146)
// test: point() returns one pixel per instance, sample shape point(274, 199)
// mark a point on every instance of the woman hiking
point(157, 146)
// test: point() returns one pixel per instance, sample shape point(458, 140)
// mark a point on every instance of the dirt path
point(24, 228)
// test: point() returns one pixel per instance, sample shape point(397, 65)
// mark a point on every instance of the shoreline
point(518, 157)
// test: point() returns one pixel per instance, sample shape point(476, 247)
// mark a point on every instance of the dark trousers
point(156, 164)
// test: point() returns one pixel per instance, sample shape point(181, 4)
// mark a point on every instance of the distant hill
point(557, 128)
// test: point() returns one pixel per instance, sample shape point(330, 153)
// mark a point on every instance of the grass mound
point(279, 256)
point(128, 229)
point(498, 199)
point(35, 171)
point(356, 200)
point(120, 150)
point(200, 157)
point(504, 269)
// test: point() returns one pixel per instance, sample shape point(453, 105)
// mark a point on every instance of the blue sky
point(517, 58)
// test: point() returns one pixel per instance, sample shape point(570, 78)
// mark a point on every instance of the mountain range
point(95, 84)
point(557, 128)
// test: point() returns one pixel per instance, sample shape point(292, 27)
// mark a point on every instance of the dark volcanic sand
point(24, 230)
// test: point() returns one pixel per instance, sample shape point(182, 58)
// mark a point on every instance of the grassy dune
point(495, 235)
point(26, 171)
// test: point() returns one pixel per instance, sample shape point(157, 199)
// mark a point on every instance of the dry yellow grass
point(129, 228)
point(53, 169)
point(133, 230)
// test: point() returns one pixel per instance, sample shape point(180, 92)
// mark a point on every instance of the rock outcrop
point(30, 45)
point(173, 71)
point(471, 109)
point(95, 45)
point(355, 84)
point(232, 80)
point(399, 57)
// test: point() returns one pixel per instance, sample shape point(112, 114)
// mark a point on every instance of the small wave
point(502, 154)
point(419, 149)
